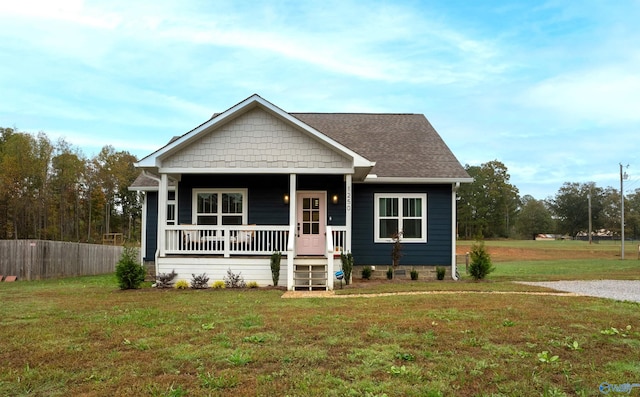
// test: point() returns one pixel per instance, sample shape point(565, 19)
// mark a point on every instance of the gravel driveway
point(621, 290)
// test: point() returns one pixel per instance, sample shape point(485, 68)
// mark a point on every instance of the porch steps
point(310, 274)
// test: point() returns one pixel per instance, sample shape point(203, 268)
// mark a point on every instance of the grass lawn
point(83, 336)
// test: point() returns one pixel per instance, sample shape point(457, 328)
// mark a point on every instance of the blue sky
point(551, 89)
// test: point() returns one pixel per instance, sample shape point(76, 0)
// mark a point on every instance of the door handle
point(298, 229)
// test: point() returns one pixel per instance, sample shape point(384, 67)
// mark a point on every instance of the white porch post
point(454, 227)
point(143, 223)
point(162, 212)
point(348, 198)
point(292, 230)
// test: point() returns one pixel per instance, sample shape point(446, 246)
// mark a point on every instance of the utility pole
point(623, 176)
point(589, 197)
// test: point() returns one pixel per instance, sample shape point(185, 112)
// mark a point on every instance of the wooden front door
point(311, 223)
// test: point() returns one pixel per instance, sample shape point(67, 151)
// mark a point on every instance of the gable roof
point(383, 147)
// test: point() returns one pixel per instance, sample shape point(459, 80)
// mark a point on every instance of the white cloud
point(608, 95)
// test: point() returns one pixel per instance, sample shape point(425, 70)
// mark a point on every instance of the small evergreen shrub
point(389, 273)
point(275, 267)
point(480, 265)
point(347, 266)
point(440, 272)
point(219, 284)
point(232, 280)
point(164, 280)
point(366, 272)
point(200, 281)
point(252, 284)
point(181, 284)
point(414, 274)
point(129, 273)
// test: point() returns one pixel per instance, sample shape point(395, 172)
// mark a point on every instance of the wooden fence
point(40, 259)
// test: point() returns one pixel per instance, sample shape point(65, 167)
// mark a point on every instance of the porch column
point(292, 230)
point(162, 212)
point(143, 224)
point(454, 226)
point(348, 200)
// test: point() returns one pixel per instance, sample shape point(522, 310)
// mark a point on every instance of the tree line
point(491, 207)
point(51, 191)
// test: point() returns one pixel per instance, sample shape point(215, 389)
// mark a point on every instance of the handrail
point(226, 240)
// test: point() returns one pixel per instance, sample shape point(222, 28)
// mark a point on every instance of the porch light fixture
point(286, 199)
point(334, 199)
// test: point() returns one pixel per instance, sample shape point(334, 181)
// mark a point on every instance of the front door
point(311, 223)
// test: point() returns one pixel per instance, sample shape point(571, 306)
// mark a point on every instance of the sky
point(549, 88)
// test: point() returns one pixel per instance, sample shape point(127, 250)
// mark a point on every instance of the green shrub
point(129, 273)
point(252, 284)
point(181, 284)
point(389, 273)
point(347, 266)
point(366, 272)
point(414, 274)
point(440, 272)
point(275, 267)
point(480, 265)
point(219, 284)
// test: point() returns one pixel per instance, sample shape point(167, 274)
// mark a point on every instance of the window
point(171, 207)
point(405, 213)
point(219, 207)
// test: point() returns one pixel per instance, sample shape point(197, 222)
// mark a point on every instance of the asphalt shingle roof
point(402, 145)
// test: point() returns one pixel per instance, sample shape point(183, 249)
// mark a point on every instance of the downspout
point(454, 222)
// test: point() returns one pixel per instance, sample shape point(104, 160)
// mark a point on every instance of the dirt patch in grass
point(510, 251)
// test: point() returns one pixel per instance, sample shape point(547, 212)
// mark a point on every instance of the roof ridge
point(367, 113)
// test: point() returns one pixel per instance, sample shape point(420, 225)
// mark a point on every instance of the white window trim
point(194, 202)
point(400, 197)
point(173, 203)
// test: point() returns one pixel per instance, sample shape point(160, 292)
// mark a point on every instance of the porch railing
point(339, 234)
point(225, 240)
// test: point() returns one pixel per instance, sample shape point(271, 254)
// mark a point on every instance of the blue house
point(255, 179)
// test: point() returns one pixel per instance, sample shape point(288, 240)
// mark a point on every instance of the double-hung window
point(220, 207)
point(400, 213)
point(171, 207)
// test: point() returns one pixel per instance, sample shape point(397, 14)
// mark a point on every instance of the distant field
point(559, 260)
point(510, 250)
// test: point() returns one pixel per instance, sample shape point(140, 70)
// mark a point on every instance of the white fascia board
point(337, 171)
point(155, 159)
point(388, 179)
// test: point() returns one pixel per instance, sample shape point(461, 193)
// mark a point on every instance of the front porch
point(247, 249)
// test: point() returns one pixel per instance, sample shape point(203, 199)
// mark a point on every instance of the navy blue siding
point(265, 195)
point(437, 249)
point(152, 227)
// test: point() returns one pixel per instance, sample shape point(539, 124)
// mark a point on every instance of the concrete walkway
point(331, 294)
point(621, 290)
